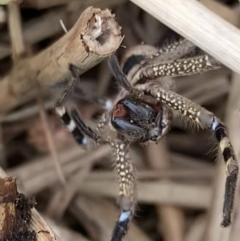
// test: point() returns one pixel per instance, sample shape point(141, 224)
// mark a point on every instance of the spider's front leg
point(66, 118)
point(206, 120)
point(125, 172)
point(63, 113)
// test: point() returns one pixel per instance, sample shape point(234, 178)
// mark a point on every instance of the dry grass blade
point(50, 141)
point(98, 216)
point(204, 28)
point(172, 219)
point(158, 192)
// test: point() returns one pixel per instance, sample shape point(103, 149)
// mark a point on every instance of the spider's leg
point(117, 73)
point(86, 129)
point(105, 117)
point(207, 120)
point(126, 178)
point(127, 185)
point(180, 67)
point(121, 78)
point(70, 89)
point(71, 126)
point(64, 115)
point(172, 51)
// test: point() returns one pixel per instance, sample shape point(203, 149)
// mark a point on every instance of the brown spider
point(143, 112)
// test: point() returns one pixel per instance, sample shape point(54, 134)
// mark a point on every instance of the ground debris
point(15, 213)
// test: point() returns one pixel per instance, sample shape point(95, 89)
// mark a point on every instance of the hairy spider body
point(143, 111)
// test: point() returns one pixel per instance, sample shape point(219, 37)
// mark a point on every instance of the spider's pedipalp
point(179, 67)
point(162, 124)
point(127, 188)
point(206, 120)
point(87, 130)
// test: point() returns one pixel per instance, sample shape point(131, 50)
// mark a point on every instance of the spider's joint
point(60, 110)
point(124, 216)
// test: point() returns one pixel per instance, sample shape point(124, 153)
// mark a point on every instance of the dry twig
point(95, 36)
point(50, 141)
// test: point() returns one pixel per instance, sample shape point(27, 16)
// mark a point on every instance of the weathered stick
point(95, 36)
point(200, 25)
point(48, 23)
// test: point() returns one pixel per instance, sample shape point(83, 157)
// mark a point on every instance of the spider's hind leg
point(220, 132)
point(207, 120)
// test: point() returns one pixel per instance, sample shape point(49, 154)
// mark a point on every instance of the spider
point(143, 112)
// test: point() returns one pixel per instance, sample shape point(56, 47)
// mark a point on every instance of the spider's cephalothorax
point(142, 112)
point(138, 121)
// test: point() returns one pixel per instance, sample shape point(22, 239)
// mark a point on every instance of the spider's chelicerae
point(143, 112)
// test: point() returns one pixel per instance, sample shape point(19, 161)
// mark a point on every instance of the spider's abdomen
point(134, 58)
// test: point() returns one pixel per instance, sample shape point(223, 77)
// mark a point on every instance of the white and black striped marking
point(220, 133)
point(71, 126)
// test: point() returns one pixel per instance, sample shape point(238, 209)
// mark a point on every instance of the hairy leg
point(126, 177)
point(180, 67)
point(172, 51)
point(207, 120)
point(127, 188)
